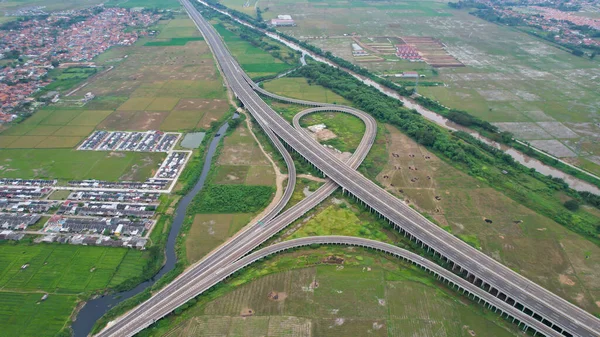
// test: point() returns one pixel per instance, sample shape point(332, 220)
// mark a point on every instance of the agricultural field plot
point(23, 314)
point(298, 87)
point(531, 244)
point(179, 27)
point(163, 4)
point(170, 86)
point(65, 272)
point(367, 295)
point(244, 6)
point(510, 77)
point(52, 128)
point(255, 61)
point(67, 164)
point(7, 7)
point(432, 51)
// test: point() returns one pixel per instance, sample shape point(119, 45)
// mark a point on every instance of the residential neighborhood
point(31, 47)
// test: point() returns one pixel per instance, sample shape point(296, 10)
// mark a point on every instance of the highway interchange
point(231, 256)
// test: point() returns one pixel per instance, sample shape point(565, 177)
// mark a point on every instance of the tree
point(55, 63)
point(572, 205)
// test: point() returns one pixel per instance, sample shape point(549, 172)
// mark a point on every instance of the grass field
point(369, 295)
point(52, 128)
point(255, 61)
point(66, 273)
point(210, 230)
point(23, 314)
point(348, 129)
point(531, 244)
point(298, 87)
point(72, 164)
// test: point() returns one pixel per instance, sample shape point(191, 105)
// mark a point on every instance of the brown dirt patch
point(333, 260)
point(277, 296)
point(325, 134)
point(566, 280)
point(247, 312)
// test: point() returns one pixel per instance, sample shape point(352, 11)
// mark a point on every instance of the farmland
point(169, 87)
point(529, 243)
point(541, 93)
point(369, 294)
point(64, 272)
point(166, 83)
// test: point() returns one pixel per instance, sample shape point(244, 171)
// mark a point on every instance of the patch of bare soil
point(566, 280)
point(277, 296)
point(232, 177)
point(116, 154)
point(325, 134)
point(247, 312)
point(377, 326)
point(333, 260)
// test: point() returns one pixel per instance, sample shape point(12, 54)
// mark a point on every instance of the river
point(96, 308)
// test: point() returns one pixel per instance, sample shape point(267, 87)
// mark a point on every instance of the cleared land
point(510, 76)
point(533, 245)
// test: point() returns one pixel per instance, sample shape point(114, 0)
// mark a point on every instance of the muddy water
point(96, 308)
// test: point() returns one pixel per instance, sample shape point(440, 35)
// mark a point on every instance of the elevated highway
point(537, 304)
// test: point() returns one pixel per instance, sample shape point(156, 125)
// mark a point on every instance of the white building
point(284, 20)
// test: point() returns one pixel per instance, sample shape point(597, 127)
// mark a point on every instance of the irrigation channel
point(96, 308)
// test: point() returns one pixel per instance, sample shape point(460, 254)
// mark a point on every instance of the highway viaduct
point(536, 304)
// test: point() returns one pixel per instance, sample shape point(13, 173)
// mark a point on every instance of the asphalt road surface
point(215, 266)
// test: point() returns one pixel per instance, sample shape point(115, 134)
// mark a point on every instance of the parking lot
point(148, 141)
point(115, 196)
point(113, 209)
point(97, 225)
point(150, 184)
point(26, 182)
point(11, 192)
point(171, 166)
